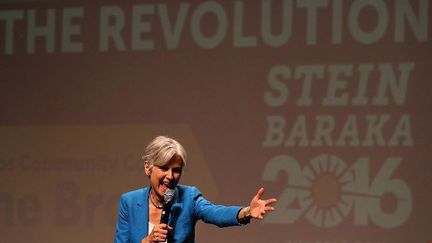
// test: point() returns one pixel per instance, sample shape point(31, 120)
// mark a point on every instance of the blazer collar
point(143, 201)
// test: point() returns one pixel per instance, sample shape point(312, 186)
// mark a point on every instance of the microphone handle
point(165, 213)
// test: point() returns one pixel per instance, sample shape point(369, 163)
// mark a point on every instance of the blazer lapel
point(142, 208)
point(176, 208)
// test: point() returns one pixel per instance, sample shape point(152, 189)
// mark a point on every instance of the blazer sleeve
point(122, 227)
point(219, 215)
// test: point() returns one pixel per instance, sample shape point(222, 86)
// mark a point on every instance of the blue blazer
point(188, 207)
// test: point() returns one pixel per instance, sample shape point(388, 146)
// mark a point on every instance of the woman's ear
point(147, 168)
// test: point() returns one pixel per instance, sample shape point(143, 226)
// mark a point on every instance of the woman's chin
point(162, 189)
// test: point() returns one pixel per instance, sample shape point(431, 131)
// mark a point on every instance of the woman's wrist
point(244, 214)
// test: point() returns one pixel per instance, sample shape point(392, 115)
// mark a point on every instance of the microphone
point(168, 197)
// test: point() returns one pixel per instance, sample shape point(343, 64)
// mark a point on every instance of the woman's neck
point(155, 200)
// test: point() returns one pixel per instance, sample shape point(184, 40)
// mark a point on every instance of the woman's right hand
point(158, 234)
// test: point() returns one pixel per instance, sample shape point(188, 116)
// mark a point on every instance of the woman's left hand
point(259, 207)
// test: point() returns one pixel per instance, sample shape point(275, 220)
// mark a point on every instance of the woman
point(139, 216)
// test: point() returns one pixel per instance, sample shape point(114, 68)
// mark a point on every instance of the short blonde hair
point(161, 149)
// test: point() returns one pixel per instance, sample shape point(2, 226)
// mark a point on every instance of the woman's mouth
point(165, 185)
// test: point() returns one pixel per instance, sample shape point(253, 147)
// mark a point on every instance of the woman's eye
point(163, 168)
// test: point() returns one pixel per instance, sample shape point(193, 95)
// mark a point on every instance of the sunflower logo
point(326, 190)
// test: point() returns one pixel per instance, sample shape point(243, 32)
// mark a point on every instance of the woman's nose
point(169, 174)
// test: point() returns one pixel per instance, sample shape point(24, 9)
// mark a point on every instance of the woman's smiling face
point(166, 176)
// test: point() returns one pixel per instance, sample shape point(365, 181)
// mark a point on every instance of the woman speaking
point(166, 211)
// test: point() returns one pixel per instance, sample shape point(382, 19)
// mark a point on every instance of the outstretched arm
point(257, 208)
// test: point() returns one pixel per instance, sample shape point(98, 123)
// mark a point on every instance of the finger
point(160, 231)
point(163, 226)
point(270, 201)
point(259, 193)
point(155, 236)
point(269, 209)
point(159, 237)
